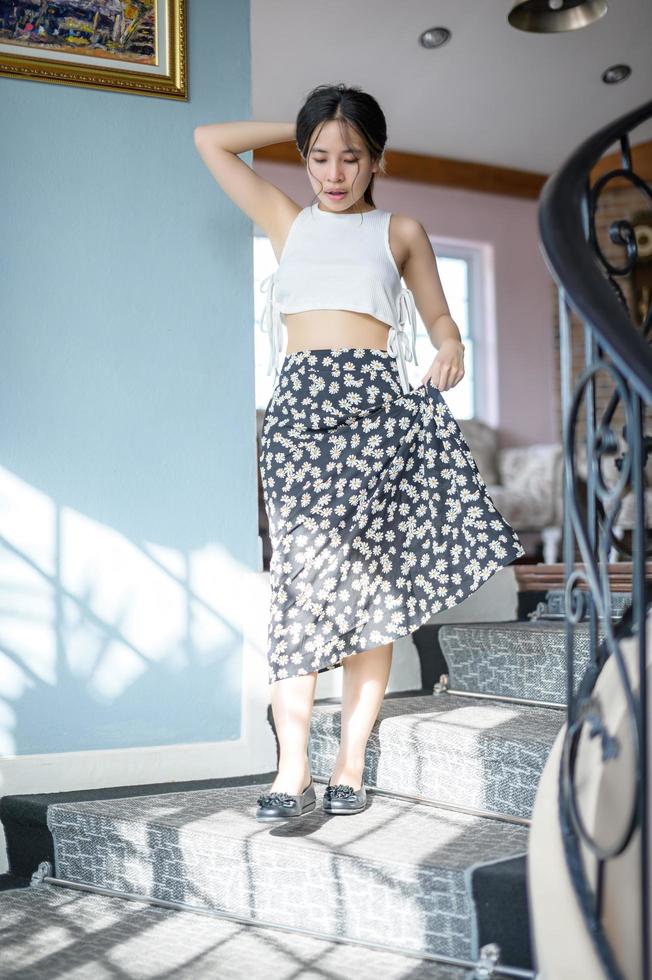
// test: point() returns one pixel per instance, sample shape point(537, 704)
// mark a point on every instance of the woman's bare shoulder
point(404, 233)
point(408, 228)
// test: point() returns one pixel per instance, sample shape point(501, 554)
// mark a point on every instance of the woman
point(378, 515)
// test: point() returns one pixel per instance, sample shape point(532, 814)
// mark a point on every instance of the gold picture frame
point(144, 40)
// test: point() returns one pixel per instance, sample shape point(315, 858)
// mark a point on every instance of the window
point(456, 267)
point(460, 271)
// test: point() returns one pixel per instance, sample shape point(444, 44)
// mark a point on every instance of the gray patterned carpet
point(396, 870)
point(49, 932)
point(518, 659)
point(471, 752)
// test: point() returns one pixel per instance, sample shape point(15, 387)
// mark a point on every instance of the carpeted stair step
point(470, 752)
point(514, 659)
point(396, 870)
point(51, 931)
point(24, 816)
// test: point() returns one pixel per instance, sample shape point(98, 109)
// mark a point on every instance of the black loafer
point(279, 806)
point(344, 799)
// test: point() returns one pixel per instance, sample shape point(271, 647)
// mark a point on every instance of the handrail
point(572, 262)
point(615, 346)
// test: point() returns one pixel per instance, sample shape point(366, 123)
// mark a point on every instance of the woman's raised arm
point(219, 144)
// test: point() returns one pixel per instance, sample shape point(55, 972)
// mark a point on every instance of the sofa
point(524, 482)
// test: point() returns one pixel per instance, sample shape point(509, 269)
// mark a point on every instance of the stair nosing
point(262, 838)
point(440, 958)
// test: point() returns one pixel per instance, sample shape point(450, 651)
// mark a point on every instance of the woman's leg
point(292, 700)
point(363, 689)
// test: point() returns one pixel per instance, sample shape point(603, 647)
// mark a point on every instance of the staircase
point(429, 876)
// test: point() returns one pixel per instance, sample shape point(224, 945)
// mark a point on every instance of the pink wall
point(519, 377)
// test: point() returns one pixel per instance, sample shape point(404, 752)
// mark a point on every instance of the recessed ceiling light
point(615, 74)
point(434, 37)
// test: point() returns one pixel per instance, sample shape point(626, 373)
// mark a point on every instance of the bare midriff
point(318, 329)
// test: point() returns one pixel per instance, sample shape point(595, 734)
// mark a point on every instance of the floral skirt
point(378, 515)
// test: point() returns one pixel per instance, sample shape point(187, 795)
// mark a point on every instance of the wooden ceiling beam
point(437, 171)
point(464, 175)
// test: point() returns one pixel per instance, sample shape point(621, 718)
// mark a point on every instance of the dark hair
point(352, 106)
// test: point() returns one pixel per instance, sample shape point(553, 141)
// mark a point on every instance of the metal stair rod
point(441, 687)
point(44, 876)
point(426, 801)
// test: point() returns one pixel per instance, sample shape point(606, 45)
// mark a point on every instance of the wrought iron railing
point(613, 343)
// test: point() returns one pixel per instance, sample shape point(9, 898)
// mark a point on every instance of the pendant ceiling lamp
point(550, 16)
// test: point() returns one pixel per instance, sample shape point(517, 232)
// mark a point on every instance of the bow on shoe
point(341, 790)
point(275, 799)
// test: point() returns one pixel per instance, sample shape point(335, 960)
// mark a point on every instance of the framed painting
point(133, 46)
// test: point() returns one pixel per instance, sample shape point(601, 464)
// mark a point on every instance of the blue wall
point(127, 441)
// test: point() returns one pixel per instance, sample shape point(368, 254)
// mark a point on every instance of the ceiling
point(491, 94)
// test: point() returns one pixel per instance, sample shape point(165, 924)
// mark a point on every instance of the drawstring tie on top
point(272, 325)
point(399, 344)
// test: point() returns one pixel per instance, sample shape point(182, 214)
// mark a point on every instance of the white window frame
point(479, 257)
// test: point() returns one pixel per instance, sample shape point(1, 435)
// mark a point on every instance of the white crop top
point(340, 262)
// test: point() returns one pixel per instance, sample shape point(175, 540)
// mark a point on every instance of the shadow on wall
point(106, 642)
